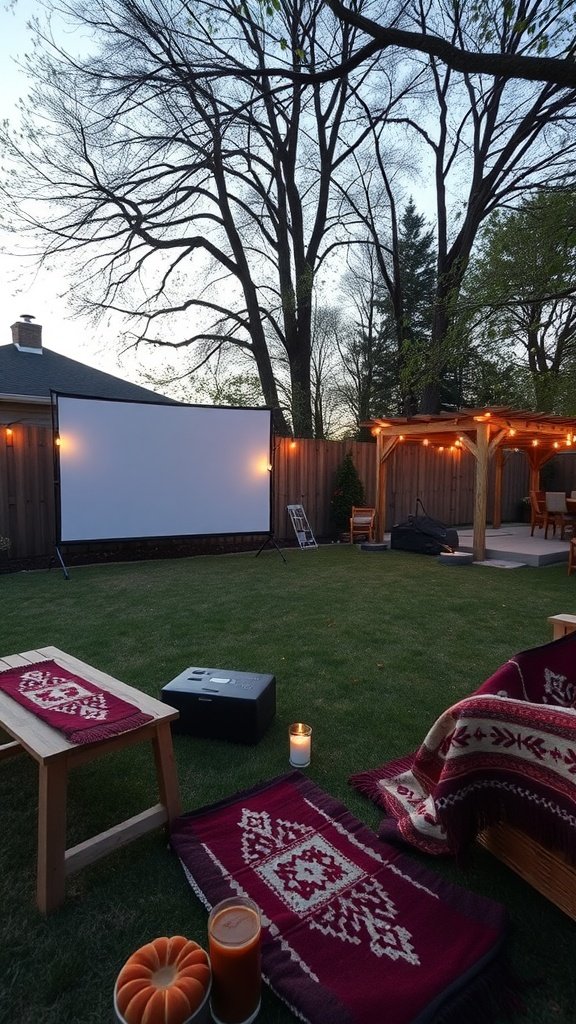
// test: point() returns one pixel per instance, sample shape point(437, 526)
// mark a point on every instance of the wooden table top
point(38, 738)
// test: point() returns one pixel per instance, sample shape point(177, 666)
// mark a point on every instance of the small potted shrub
point(348, 491)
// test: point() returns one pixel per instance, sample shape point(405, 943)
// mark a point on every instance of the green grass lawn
point(368, 648)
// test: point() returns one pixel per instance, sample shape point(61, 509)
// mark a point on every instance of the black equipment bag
point(423, 534)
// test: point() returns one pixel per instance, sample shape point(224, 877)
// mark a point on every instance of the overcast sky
point(21, 291)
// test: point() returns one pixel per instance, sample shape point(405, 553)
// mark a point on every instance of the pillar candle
point(300, 744)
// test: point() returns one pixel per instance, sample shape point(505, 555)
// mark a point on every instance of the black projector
point(219, 703)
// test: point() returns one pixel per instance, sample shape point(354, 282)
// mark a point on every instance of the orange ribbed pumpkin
point(163, 982)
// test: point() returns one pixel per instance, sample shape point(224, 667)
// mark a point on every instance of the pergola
point(486, 434)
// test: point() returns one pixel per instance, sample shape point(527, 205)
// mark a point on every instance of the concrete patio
point(513, 543)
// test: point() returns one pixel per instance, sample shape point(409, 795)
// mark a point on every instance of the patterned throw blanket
point(506, 753)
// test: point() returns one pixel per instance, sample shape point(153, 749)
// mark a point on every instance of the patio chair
point(362, 523)
point(556, 512)
point(537, 510)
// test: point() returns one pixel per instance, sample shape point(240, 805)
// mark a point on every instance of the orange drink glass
point(234, 931)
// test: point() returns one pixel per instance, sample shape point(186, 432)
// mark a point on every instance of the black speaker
point(220, 703)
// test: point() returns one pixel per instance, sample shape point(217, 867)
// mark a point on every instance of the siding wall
point(302, 474)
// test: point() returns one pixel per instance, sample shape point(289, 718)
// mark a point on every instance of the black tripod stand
point(270, 538)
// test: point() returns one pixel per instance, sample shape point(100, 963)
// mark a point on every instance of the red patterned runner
point(354, 932)
point(82, 711)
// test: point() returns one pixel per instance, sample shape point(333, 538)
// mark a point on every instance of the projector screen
point(131, 470)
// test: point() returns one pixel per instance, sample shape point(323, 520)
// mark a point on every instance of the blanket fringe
point(94, 734)
point(368, 782)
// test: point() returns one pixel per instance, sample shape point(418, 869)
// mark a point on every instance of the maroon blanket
point(506, 753)
point(81, 710)
point(354, 932)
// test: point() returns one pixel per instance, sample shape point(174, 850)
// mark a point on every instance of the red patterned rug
point(80, 710)
point(355, 932)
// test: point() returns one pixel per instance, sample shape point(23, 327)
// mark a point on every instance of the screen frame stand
point(270, 539)
point(62, 563)
point(56, 478)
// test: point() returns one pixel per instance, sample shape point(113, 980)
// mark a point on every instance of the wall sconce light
point(9, 433)
point(57, 441)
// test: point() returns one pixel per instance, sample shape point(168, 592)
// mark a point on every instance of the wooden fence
point(303, 473)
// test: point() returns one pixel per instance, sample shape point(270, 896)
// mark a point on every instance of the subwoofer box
point(220, 703)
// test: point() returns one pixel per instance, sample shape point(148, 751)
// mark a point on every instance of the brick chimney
point(26, 336)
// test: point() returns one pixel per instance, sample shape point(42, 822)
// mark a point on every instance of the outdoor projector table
point(220, 703)
point(56, 756)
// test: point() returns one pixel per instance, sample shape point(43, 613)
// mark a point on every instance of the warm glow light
point(458, 443)
point(292, 444)
point(401, 437)
point(441, 448)
point(534, 444)
point(511, 432)
point(375, 431)
point(57, 442)
point(9, 431)
point(426, 441)
point(556, 445)
point(569, 440)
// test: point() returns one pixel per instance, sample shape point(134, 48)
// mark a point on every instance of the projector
point(219, 703)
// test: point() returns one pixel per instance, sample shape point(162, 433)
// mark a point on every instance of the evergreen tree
point(348, 491)
point(407, 316)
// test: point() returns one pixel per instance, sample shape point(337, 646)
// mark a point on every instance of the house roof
point(33, 375)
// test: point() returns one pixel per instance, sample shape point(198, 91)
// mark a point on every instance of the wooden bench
point(56, 756)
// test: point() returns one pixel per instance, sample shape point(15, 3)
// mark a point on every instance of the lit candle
point(300, 744)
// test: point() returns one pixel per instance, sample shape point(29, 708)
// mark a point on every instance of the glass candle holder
point(234, 938)
point(300, 744)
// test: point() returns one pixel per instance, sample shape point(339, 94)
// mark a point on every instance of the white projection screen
point(132, 470)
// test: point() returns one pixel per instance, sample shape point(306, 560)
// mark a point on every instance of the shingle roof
point(34, 375)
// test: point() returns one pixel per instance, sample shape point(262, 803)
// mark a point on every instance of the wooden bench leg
point(52, 786)
point(166, 770)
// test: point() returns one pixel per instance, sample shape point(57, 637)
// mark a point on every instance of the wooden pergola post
point(481, 492)
point(497, 504)
point(384, 448)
